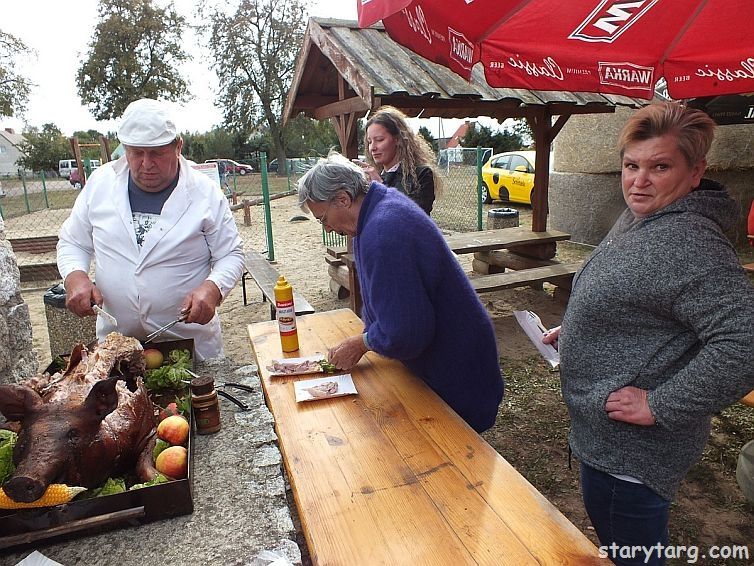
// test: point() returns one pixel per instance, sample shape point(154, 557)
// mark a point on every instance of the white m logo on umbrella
point(610, 19)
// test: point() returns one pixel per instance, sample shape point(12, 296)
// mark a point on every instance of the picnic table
point(394, 476)
point(534, 270)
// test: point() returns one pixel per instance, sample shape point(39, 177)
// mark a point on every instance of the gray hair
point(328, 176)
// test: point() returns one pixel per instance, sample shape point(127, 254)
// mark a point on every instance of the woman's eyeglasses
point(323, 219)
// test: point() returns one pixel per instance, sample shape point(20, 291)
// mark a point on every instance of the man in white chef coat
point(162, 236)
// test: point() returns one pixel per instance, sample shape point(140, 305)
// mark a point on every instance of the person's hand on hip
point(630, 405)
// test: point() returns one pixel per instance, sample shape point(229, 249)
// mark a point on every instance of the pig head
point(83, 432)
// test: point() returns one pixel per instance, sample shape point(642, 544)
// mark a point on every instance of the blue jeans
point(630, 519)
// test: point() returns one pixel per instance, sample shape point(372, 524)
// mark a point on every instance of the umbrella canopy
point(701, 47)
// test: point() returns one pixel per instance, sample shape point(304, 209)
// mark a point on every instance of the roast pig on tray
point(93, 421)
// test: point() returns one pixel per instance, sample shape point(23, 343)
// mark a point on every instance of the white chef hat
point(147, 123)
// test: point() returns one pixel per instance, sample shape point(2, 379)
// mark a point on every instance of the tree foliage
point(305, 137)
point(135, 53)
point(499, 141)
point(427, 135)
point(14, 87)
point(43, 148)
point(254, 51)
point(217, 143)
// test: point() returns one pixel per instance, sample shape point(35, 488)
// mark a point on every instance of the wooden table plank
point(393, 475)
point(486, 240)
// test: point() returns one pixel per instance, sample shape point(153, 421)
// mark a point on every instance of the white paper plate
point(324, 387)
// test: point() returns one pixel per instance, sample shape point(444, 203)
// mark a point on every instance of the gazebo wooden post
point(545, 131)
point(345, 128)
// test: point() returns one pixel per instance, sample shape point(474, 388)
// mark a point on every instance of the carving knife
point(106, 315)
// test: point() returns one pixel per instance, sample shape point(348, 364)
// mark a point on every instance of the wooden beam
point(314, 101)
point(79, 164)
point(541, 124)
point(341, 107)
point(557, 126)
point(290, 101)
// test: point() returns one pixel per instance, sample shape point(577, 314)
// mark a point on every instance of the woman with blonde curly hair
point(399, 158)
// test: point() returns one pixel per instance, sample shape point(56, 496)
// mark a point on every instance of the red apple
point(173, 462)
point(173, 429)
point(171, 409)
point(153, 358)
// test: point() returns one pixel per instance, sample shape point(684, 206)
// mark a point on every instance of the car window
point(517, 160)
point(501, 162)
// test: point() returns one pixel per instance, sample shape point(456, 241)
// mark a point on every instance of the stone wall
point(585, 193)
point(17, 359)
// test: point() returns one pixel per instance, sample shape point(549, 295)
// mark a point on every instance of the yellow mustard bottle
point(286, 315)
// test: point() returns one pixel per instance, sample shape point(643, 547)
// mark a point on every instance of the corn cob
point(55, 494)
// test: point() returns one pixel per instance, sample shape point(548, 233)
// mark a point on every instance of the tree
point(134, 54)
point(484, 136)
point(427, 135)
point(254, 51)
point(42, 149)
point(305, 137)
point(14, 88)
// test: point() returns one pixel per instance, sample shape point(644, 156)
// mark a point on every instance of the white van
point(65, 166)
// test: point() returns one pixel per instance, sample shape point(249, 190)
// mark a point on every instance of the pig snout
point(24, 489)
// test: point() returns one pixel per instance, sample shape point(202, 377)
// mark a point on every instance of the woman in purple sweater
point(419, 306)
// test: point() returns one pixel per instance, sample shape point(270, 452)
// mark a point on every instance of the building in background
point(9, 152)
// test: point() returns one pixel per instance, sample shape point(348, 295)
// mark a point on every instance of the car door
point(520, 179)
point(496, 179)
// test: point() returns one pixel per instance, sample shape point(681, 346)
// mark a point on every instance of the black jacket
point(422, 194)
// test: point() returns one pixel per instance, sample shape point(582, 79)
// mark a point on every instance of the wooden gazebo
point(344, 72)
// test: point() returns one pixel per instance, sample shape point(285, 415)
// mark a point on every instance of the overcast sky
point(59, 32)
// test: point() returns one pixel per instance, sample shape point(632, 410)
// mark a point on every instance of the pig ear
point(102, 399)
point(16, 400)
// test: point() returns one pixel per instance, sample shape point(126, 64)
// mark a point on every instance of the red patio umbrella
point(701, 47)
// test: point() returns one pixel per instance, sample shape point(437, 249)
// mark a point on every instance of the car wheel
point(242, 172)
point(486, 198)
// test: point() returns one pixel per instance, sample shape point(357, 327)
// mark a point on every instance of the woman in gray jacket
point(658, 334)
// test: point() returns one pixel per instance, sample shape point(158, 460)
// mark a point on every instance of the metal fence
point(34, 207)
point(459, 206)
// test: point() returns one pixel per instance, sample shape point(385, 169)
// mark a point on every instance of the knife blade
point(106, 315)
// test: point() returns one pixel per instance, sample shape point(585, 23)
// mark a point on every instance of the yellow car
point(509, 177)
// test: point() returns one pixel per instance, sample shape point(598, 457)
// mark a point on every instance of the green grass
point(19, 205)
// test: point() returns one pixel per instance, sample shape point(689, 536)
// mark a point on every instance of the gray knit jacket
point(661, 304)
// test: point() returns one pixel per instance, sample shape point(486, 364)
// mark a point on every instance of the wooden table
point(394, 476)
point(502, 238)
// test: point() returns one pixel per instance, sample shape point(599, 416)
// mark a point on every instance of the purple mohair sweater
point(420, 308)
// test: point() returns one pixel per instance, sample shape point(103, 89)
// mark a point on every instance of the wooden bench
point(394, 476)
point(265, 276)
point(559, 274)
